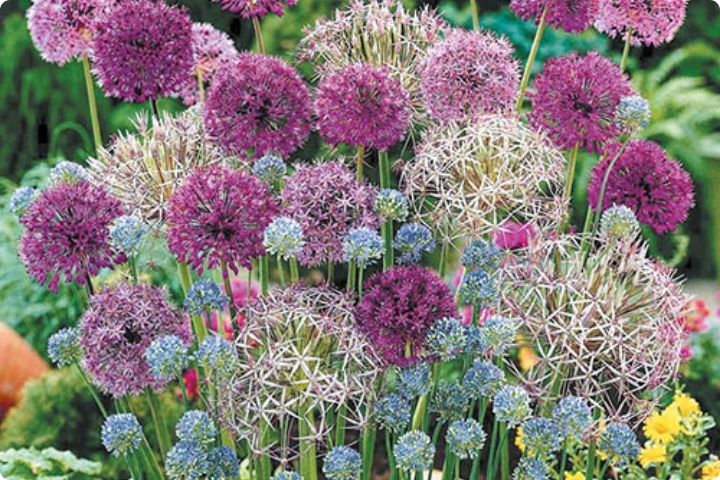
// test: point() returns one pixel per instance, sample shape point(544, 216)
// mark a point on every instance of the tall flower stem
point(475, 469)
point(590, 465)
point(368, 450)
point(340, 423)
point(228, 289)
point(500, 453)
point(294, 271)
point(200, 85)
point(93, 392)
point(572, 163)
point(308, 449)
point(443, 259)
point(626, 50)
point(160, 426)
point(475, 16)
point(389, 452)
point(360, 161)
point(387, 226)
point(197, 321)
point(264, 274)
point(360, 282)
point(263, 466)
point(531, 60)
point(92, 102)
point(258, 35)
point(603, 186)
point(281, 270)
point(351, 275)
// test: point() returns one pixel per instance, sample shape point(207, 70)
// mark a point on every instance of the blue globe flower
point(121, 434)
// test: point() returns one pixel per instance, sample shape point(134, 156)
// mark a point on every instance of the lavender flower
point(572, 415)
point(483, 380)
point(255, 8)
point(195, 426)
point(284, 237)
point(67, 172)
point(477, 289)
point(363, 246)
point(127, 234)
point(414, 452)
point(224, 463)
point(647, 23)
point(187, 461)
point(21, 200)
point(499, 333)
point(511, 405)
point(342, 463)
point(446, 338)
point(414, 381)
point(270, 169)
point(481, 255)
point(530, 468)
point(391, 205)
point(412, 240)
point(620, 443)
point(569, 15)
point(393, 412)
point(218, 355)
point(541, 437)
point(205, 296)
point(167, 357)
point(465, 438)
point(632, 114)
point(450, 400)
point(121, 434)
point(619, 221)
point(64, 347)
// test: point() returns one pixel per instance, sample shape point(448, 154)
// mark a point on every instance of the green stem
point(258, 35)
point(504, 452)
point(360, 161)
point(387, 234)
point(264, 275)
point(368, 451)
point(225, 272)
point(531, 60)
point(491, 451)
point(308, 449)
point(94, 393)
point(160, 426)
point(330, 273)
point(500, 452)
point(340, 423)
point(181, 383)
point(603, 186)
point(390, 454)
point(449, 463)
point(441, 263)
point(92, 102)
point(626, 50)
point(475, 16)
point(590, 466)
point(281, 270)
point(263, 467)
point(563, 460)
point(571, 170)
point(605, 466)
point(360, 283)
point(384, 167)
point(351, 275)
point(294, 275)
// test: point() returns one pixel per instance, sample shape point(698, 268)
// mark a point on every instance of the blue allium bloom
point(363, 245)
point(64, 347)
point(167, 357)
point(217, 354)
point(499, 333)
point(530, 468)
point(286, 475)
point(196, 426)
point(512, 405)
point(127, 234)
point(411, 241)
point(391, 205)
point(224, 463)
point(414, 452)
point(481, 255)
point(342, 463)
point(67, 172)
point(620, 443)
point(187, 461)
point(620, 222)
point(632, 113)
point(477, 289)
point(572, 415)
point(483, 380)
point(450, 400)
point(21, 200)
point(446, 338)
point(270, 169)
point(121, 434)
point(284, 237)
point(465, 438)
point(393, 411)
point(541, 436)
point(205, 296)
point(475, 341)
point(414, 381)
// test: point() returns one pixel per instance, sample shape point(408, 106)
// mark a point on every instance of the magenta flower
point(362, 105)
point(645, 180)
point(60, 29)
point(259, 104)
point(651, 22)
point(572, 16)
point(575, 100)
point(66, 234)
point(219, 215)
point(142, 49)
point(255, 8)
point(513, 235)
point(120, 324)
point(328, 202)
point(399, 307)
point(469, 74)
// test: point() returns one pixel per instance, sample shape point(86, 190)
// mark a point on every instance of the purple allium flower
point(362, 105)
point(66, 234)
point(575, 100)
point(255, 8)
point(652, 22)
point(328, 202)
point(142, 49)
point(257, 103)
point(573, 16)
point(121, 323)
point(647, 181)
point(60, 29)
point(399, 307)
point(469, 74)
point(217, 216)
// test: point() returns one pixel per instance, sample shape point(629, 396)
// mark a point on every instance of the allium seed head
point(64, 347)
point(411, 241)
point(363, 246)
point(121, 434)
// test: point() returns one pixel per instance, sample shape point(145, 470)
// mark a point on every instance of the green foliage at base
point(46, 464)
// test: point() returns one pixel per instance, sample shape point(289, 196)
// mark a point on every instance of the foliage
point(30, 463)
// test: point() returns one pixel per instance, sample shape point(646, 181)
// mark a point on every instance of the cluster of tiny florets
point(414, 452)
point(632, 114)
point(342, 463)
point(121, 434)
point(67, 172)
point(64, 347)
point(649, 23)
point(446, 338)
point(572, 16)
point(167, 357)
point(127, 234)
point(21, 200)
point(205, 296)
point(391, 205)
point(512, 405)
point(393, 412)
point(619, 442)
point(196, 426)
point(255, 8)
point(619, 222)
point(465, 438)
point(483, 380)
point(364, 246)
point(411, 241)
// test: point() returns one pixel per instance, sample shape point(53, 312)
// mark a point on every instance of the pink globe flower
point(575, 100)
point(66, 234)
point(572, 16)
point(362, 105)
point(142, 49)
point(645, 180)
point(650, 22)
point(218, 216)
point(467, 75)
point(60, 29)
point(257, 104)
point(255, 8)
point(513, 235)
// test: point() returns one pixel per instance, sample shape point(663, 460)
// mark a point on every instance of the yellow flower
point(527, 358)
point(574, 476)
point(652, 454)
point(685, 405)
point(663, 427)
point(711, 471)
point(519, 440)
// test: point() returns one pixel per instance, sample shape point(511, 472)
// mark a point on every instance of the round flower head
point(167, 357)
point(477, 289)
point(285, 475)
point(512, 405)
point(530, 468)
point(142, 49)
point(218, 217)
point(414, 452)
point(21, 200)
point(393, 412)
point(363, 246)
point(446, 338)
point(205, 296)
point(481, 255)
point(342, 463)
point(270, 169)
point(60, 29)
point(541, 436)
point(572, 415)
point(224, 463)
point(569, 15)
point(255, 8)
point(187, 461)
point(475, 340)
point(513, 235)
point(399, 307)
point(632, 114)
point(127, 234)
point(414, 381)
point(450, 400)
point(465, 438)
point(411, 240)
point(284, 237)
point(575, 100)
point(647, 181)
point(620, 443)
point(121, 434)
point(122, 321)
point(67, 172)
point(499, 333)
point(328, 202)
point(650, 23)
point(391, 205)
point(619, 221)
point(196, 426)
point(257, 104)
point(64, 347)
point(483, 380)
point(218, 355)
point(469, 74)
point(66, 234)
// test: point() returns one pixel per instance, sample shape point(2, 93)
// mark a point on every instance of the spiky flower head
point(541, 436)
point(205, 296)
point(530, 468)
point(142, 49)
point(196, 426)
point(393, 412)
point(645, 179)
point(479, 175)
point(499, 333)
point(575, 100)
point(218, 355)
point(66, 235)
point(446, 338)
point(469, 74)
point(342, 463)
point(127, 234)
point(481, 255)
point(391, 205)
point(414, 381)
point(648, 23)
point(255, 8)
point(364, 246)
point(619, 222)
point(21, 200)
point(620, 443)
point(121, 323)
point(450, 400)
point(328, 202)
point(475, 341)
point(284, 237)
point(121, 434)
point(399, 307)
point(67, 172)
point(512, 405)
point(64, 347)
point(477, 289)
point(167, 357)
point(465, 438)
point(285, 475)
point(411, 241)
point(217, 217)
point(187, 461)
point(573, 415)
point(571, 16)
point(414, 451)
point(255, 105)
point(632, 114)
point(224, 463)
point(483, 380)
point(271, 169)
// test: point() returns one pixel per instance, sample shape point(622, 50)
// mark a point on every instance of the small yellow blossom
point(519, 439)
point(574, 476)
point(652, 454)
point(686, 405)
point(711, 471)
point(527, 358)
point(663, 427)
